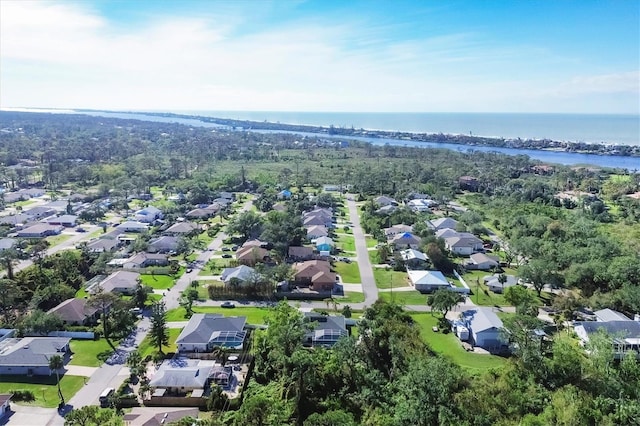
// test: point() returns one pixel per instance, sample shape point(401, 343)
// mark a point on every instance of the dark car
point(227, 256)
point(227, 305)
point(78, 229)
point(226, 249)
point(234, 248)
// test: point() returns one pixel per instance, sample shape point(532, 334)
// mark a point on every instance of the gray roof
point(31, 351)
point(607, 315)
point(192, 377)
point(182, 227)
point(213, 329)
point(7, 243)
point(15, 219)
point(66, 218)
point(120, 279)
point(164, 243)
point(327, 329)
point(39, 228)
point(443, 222)
point(103, 244)
point(73, 310)
point(481, 319)
point(40, 210)
point(625, 329)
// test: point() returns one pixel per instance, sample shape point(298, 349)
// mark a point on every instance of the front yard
point(157, 282)
point(386, 278)
point(404, 297)
point(449, 345)
point(90, 353)
point(43, 387)
point(255, 315)
point(346, 242)
point(349, 272)
point(146, 348)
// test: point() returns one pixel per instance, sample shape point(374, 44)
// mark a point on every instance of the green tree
point(444, 300)
point(523, 299)
point(330, 418)
point(187, 298)
point(159, 332)
point(92, 415)
point(56, 364)
point(135, 364)
point(9, 258)
point(141, 295)
point(540, 272)
point(103, 302)
point(248, 224)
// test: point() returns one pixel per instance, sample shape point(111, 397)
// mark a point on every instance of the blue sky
point(383, 56)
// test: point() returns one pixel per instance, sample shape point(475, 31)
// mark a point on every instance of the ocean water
point(591, 128)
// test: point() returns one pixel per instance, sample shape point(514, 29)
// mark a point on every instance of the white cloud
point(64, 55)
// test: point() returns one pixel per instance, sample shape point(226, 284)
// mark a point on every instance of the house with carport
point(485, 329)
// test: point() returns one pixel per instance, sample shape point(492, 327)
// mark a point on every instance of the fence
point(80, 335)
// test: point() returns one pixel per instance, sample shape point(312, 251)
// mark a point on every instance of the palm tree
point(55, 364)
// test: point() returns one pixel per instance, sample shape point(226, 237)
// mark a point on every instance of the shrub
point(22, 395)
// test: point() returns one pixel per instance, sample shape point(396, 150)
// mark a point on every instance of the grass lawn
point(449, 346)
point(371, 242)
point(483, 296)
point(81, 294)
point(374, 257)
point(255, 315)
point(349, 272)
point(43, 387)
point(404, 297)
point(386, 278)
point(157, 282)
point(214, 267)
point(57, 239)
point(146, 348)
point(346, 242)
point(90, 353)
point(94, 234)
point(350, 297)
point(152, 298)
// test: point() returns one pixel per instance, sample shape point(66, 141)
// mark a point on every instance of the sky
point(514, 56)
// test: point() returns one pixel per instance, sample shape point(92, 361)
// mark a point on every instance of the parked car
point(345, 259)
point(189, 270)
point(79, 229)
point(235, 248)
point(226, 256)
point(227, 305)
point(226, 249)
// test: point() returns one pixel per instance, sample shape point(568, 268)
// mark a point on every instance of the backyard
point(157, 282)
point(449, 346)
point(43, 387)
point(90, 353)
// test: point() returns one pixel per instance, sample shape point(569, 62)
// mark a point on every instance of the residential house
point(149, 214)
point(298, 254)
point(624, 335)
point(386, 210)
point(66, 220)
point(317, 220)
point(145, 260)
point(39, 230)
point(200, 213)
point(327, 329)
point(250, 255)
point(14, 219)
point(441, 223)
point(240, 274)
point(204, 332)
point(316, 274)
point(397, 229)
point(445, 233)
point(414, 259)
point(227, 195)
point(463, 244)
point(102, 245)
point(285, 194)
point(385, 201)
point(420, 206)
point(606, 315)
point(482, 262)
point(494, 284)
point(485, 329)
point(178, 376)
point(30, 355)
point(152, 416)
point(324, 245)
point(255, 243)
point(163, 244)
point(405, 241)
point(76, 312)
point(316, 231)
point(37, 213)
point(62, 206)
point(131, 226)
point(122, 282)
point(7, 243)
point(182, 228)
point(5, 400)
point(428, 281)
point(468, 183)
point(221, 202)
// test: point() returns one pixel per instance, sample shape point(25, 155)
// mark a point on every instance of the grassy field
point(386, 278)
point(373, 257)
point(146, 348)
point(54, 240)
point(90, 353)
point(214, 267)
point(81, 293)
point(349, 272)
point(404, 297)
point(371, 242)
point(449, 346)
point(157, 282)
point(481, 295)
point(346, 242)
point(255, 315)
point(350, 297)
point(43, 387)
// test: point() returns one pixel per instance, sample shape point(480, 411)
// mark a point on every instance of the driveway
point(25, 415)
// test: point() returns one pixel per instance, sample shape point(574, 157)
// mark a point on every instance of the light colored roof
point(411, 254)
point(443, 222)
point(164, 242)
point(480, 319)
point(188, 377)
point(492, 280)
point(182, 227)
point(463, 241)
point(215, 329)
point(157, 416)
point(406, 238)
point(398, 229)
point(324, 240)
point(140, 258)
point(319, 230)
point(103, 244)
point(311, 267)
point(133, 225)
point(251, 253)
point(120, 279)
point(65, 218)
point(327, 329)
point(478, 258)
point(432, 278)
point(38, 228)
point(241, 272)
point(32, 351)
point(7, 243)
point(382, 200)
point(446, 233)
point(605, 315)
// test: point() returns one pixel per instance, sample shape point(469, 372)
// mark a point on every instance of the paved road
point(364, 264)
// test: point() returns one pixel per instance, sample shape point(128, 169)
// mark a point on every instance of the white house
point(428, 281)
point(148, 214)
point(30, 355)
point(463, 244)
point(485, 328)
point(494, 284)
point(406, 240)
point(397, 229)
point(443, 222)
point(131, 226)
point(481, 262)
point(241, 273)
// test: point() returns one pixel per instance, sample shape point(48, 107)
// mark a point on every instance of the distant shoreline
point(458, 139)
point(545, 144)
